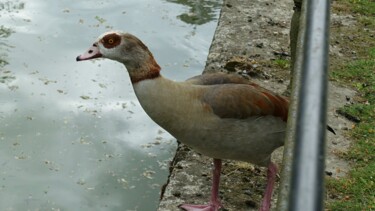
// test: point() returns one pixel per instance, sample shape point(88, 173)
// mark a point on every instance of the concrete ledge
point(249, 30)
point(251, 34)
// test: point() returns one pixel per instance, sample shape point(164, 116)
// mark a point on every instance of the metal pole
point(298, 23)
point(307, 182)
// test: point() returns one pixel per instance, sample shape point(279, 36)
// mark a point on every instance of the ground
point(252, 39)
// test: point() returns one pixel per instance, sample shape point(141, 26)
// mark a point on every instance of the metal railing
point(302, 177)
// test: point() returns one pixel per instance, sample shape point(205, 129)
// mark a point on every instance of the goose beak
point(92, 53)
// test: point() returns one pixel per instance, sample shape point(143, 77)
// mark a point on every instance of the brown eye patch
point(111, 40)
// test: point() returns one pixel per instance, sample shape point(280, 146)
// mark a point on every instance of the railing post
point(302, 183)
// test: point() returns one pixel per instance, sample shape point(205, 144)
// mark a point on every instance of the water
point(72, 135)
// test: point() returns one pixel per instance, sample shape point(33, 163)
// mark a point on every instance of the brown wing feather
point(242, 101)
point(231, 96)
point(236, 97)
point(219, 78)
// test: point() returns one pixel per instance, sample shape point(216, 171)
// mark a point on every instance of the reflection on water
point(200, 12)
point(11, 6)
point(73, 135)
point(6, 76)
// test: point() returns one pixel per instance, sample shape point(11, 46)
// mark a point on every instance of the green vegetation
point(363, 7)
point(282, 63)
point(357, 190)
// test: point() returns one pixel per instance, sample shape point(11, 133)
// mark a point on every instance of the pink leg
point(271, 177)
point(214, 204)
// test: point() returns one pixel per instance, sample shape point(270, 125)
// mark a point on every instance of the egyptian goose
point(219, 115)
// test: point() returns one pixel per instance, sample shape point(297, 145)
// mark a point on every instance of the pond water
point(73, 135)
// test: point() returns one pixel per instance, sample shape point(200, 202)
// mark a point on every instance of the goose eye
point(111, 40)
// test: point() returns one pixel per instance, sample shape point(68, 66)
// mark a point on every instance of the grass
point(357, 190)
point(360, 74)
point(282, 63)
point(363, 7)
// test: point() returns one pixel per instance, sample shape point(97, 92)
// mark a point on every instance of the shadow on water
point(200, 12)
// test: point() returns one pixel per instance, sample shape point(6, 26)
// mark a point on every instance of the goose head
point(126, 49)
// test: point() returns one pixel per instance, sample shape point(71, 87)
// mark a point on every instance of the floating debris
point(47, 81)
point(102, 86)
point(81, 182)
point(21, 157)
point(85, 97)
point(101, 20)
point(84, 141)
point(124, 183)
point(149, 174)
